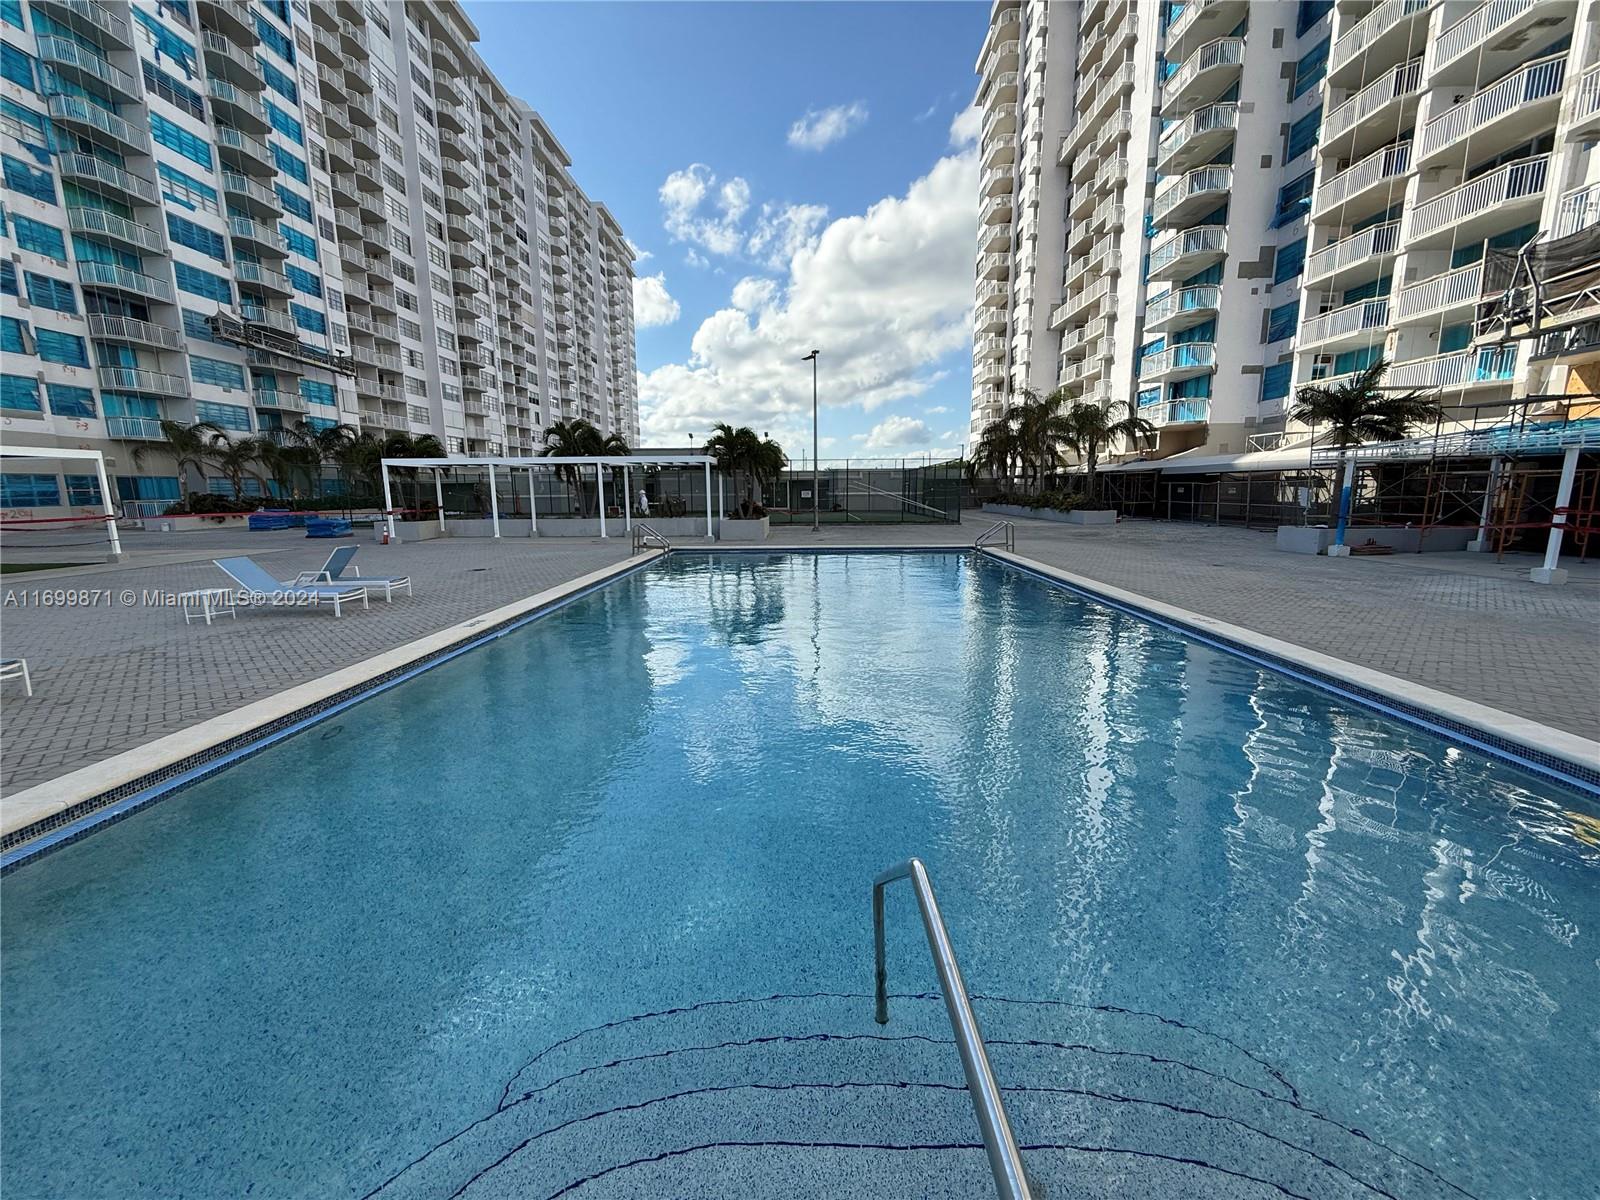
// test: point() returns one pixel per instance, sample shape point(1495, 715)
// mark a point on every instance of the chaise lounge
point(264, 589)
point(333, 572)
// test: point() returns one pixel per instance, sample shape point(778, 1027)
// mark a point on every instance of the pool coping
point(1566, 758)
point(59, 810)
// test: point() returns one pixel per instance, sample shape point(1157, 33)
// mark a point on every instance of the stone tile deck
point(111, 678)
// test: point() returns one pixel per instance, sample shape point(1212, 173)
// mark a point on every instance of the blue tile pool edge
point(31, 842)
point(1557, 768)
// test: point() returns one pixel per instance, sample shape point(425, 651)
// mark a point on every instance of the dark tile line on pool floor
point(32, 842)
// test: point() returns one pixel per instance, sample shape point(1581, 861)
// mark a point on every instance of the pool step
point(807, 1096)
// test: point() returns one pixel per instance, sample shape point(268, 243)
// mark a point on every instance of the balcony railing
point(1194, 358)
point(1166, 307)
point(1402, 81)
point(78, 111)
point(1224, 52)
point(1537, 81)
point(126, 329)
point(1342, 322)
point(1177, 412)
point(1451, 289)
point(1579, 209)
point(271, 318)
point(1491, 364)
point(90, 14)
point(1200, 181)
point(1513, 181)
point(249, 272)
point(95, 274)
point(1201, 121)
point(1370, 28)
point(1588, 102)
point(134, 379)
point(1203, 239)
point(59, 52)
point(990, 213)
point(1476, 27)
point(998, 115)
point(87, 166)
point(284, 401)
point(135, 429)
point(108, 224)
point(1358, 247)
point(1390, 162)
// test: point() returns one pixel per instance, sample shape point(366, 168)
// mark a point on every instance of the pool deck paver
point(115, 677)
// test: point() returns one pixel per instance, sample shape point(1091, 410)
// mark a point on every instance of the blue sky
point(853, 231)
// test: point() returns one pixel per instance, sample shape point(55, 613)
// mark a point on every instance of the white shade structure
point(99, 460)
point(625, 461)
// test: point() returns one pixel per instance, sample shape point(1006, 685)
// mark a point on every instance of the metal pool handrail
point(1005, 1163)
point(644, 537)
point(1000, 531)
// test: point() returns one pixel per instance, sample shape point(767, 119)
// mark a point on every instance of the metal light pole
point(815, 519)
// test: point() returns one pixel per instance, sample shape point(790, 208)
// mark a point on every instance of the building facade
point(1192, 208)
point(262, 214)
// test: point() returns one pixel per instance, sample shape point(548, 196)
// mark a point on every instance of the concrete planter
point(190, 524)
point(418, 531)
point(732, 530)
point(1076, 516)
point(1317, 539)
point(1304, 539)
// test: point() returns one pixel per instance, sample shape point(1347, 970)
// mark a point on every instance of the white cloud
point(899, 433)
point(820, 128)
point(652, 303)
point(966, 126)
point(639, 255)
point(884, 295)
point(695, 259)
point(936, 410)
point(926, 113)
point(682, 194)
point(782, 230)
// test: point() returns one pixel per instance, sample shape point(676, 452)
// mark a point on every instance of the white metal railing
point(1476, 27)
point(1190, 299)
point(101, 18)
point(249, 272)
point(1460, 369)
point(138, 429)
point(109, 224)
point(1388, 162)
point(996, 115)
point(1588, 103)
point(1223, 52)
point(1201, 120)
point(273, 398)
point(993, 289)
point(87, 166)
point(1578, 210)
point(236, 139)
point(1196, 182)
point(1510, 182)
point(989, 347)
point(995, 204)
point(266, 235)
point(272, 319)
point(95, 274)
point(75, 108)
point(1358, 247)
point(1177, 412)
point(1202, 239)
point(135, 379)
point(1185, 356)
point(1402, 81)
point(126, 329)
point(1341, 322)
point(1185, 18)
point(1370, 28)
point(1536, 81)
point(59, 50)
point(1456, 287)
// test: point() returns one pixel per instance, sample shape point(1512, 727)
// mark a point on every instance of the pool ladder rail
point(645, 538)
point(1001, 533)
point(1005, 1162)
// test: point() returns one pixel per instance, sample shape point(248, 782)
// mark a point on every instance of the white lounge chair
point(252, 579)
point(333, 572)
point(16, 668)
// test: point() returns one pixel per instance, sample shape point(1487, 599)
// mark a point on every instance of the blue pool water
point(586, 911)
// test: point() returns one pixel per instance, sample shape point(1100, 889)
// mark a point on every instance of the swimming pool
point(585, 911)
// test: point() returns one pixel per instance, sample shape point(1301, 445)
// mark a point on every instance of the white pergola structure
point(94, 456)
point(626, 461)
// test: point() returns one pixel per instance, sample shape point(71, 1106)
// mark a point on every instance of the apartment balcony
point(1585, 123)
point(1108, 94)
point(988, 347)
point(1001, 121)
point(995, 211)
point(231, 17)
point(135, 429)
point(1579, 209)
point(224, 59)
point(133, 379)
point(1182, 309)
point(1370, 118)
point(93, 20)
point(1363, 323)
point(989, 371)
point(1491, 366)
point(98, 125)
point(362, 110)
point(111, 277)
point(1113, 174)
point(80, 65)
point(1080, 305)
point(1188, 251)
point(375, 236)
point(1388, 34)
point(1183, 361)
point(355, 288)
point(444, 59)
point(256, 238)
point(1496, 36)
point(1211, 70)
point(273, 400)
point(384, 393)
point(1000, 154)
point(1201, 21)
point(264, 278)
point(1169, 413)
point(1074, 345)
point(136, 333)
point(1001, 89)
point(994, 266)
point(1368, 186)
point(103, 177)
point(352, 38)
point(1506, 114)
point(365, 143)
point(1359, 258)
point(245, 154)
point(994, 294)
point(141, 239)
point(1452, 293)
point(282, 322)
point(1191, 196)
point(1498, 200)
point(1197, 138)
point(991, 318)
point(998, 182)
point(235, 106)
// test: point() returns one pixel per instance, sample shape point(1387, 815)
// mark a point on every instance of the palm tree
point(1359, 410)
point(235, 458)
point(1042, 427)
point(327, 444)
point(1089, 429)
point(189, 445)
point(406, 445)
point(742, 451)
point(578, 438)
point(997, 448)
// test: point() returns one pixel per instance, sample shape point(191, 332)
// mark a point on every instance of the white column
point(105, 503)
point(710, 536)
point(1550, 572)
point(627, 499)
point(1481, 542)
point(600, 492)
point(533, 507)
point(722, 508)
point(388, 502)
point(438, 494)
point(494, 502)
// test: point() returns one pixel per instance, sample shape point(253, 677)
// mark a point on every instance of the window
point(216, 372)
point(186, 190)
point(416, 386)
point(203, 283)
point(309, 318)
point(28, 491)
point(318, 392)
point(1289, 262)
point(173, 92)
point(1303, 133)
point(56, 294)
point(20, 177)
point(1281, 321)
point(13, 336)
point(1294, 199)
point(16, 66)
point(174, 137)
point(393, 178)
point(1311, 11)
point(20, 393)
point(442, 311)
point(164, 41)
point(81, 489)
point(284, 123)
point(11, 13)
point(294, 202)
point(224, 416)
point(68, 349)
point(68, 401)
point(196, 326)
point(289, 164)
point(1356, 360)
point(302, 244)
point(404, 272)
point(436, 255)
point(303, 280)
point(197, 237)
point(283, 84)
point(39, 237)
point(8, 277)
point(1308, 72)
point(275, 39)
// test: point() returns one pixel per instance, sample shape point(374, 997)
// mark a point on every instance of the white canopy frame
point(99, 460)
point(626, 461)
